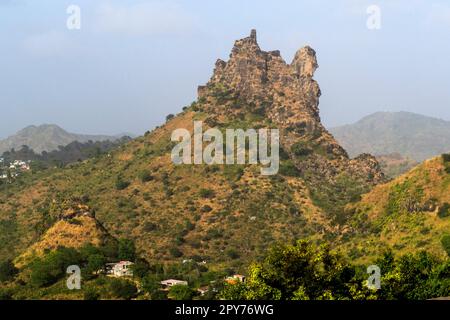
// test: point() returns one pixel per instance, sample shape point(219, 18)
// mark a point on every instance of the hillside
point(412, 135)
point(395, 164)
point(408, 214)
point(47, 137)
point(224, 214)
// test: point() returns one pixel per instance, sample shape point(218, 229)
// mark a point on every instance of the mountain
point(412, 135)
point(47, 137)
point(226, 215)
point(201, 222)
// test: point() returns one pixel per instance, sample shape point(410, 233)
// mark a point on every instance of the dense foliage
point(304, 271)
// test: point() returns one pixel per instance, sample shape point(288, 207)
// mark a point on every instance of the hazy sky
point(134, 62)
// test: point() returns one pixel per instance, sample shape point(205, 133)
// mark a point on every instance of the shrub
point(287, 168)
point(206, 193)
point(169, 117)
point(446, 157)
point(6, 294)
point(140, 269)
point(213, 234)
point(445, 241)
point(91, 294)
point(206, 208)
point(181, 292)
point(95, 262)
point(149, 226)
point(123, 289)
point(301, 149)
point(145, 176)
point(126, 250)
point(121, 184)
point(444, 211)
point(175, 252)
point(7, 271)
point(232, 254)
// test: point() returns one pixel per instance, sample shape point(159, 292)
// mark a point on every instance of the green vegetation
point(446, 243)
point(301, 149)
point(181, 292)
point(123, 289)
point(127, 250)
point(287, 168)
point(299, 272)
point(444, 210)
point(145, 176)
point(121, 184)
point(206, 193)
point(304, 271)
point(46, 271)
point(7, 271)
point(64, 155)
point(404, 198)
point(446, 159)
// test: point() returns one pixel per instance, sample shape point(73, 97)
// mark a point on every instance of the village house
point(119, 269)
point(166, 284)
point(235, 279)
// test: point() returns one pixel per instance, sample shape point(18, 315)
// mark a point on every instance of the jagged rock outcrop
point(261, 82)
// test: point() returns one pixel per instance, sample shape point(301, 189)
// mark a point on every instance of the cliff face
point(256, 81)
point(261, 77)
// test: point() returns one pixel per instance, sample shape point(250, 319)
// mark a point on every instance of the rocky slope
point(412, 135)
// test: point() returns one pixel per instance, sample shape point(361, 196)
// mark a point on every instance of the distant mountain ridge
point(412, 135)
point(47, 137)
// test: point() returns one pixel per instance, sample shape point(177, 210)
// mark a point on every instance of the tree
point(52, 267)
point(126, 250)
point(417, 276)
point(175, 252)
point(151, 285)
point(145, 176)
point(95, 263)
point(181, 292)
point(91, 294)
point(140, 269)
point(7, 271)
point(123, 289)
point(121, 184)
point(206, 193)
point(446, 243)
point(300, 271)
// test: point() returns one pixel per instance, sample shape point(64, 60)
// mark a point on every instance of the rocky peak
point(261, 82)
point(264, 78)
point(305, 62)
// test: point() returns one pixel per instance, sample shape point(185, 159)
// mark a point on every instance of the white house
point(235, 279)
point(120, 269)
point(173, 282)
